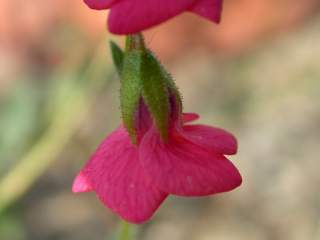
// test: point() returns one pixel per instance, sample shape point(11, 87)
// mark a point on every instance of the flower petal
point(131, 16)
point(190, 117)
point(210, 9)
point(99, 4)
point(212, 138)
point(183, 168)
point(81, 184)
point(119, 180)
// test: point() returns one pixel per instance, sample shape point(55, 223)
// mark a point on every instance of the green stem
point(125, 232)
point(135, 42)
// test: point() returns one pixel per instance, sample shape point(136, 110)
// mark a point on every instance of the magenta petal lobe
point(119, 180)
point(183, 168)
point(211, 138)
point(99, 4)
point(190, 117)
point(131, 16)
point(210, 9)
point(81, 184)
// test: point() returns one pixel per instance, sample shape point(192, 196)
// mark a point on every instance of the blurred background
point(256, 74)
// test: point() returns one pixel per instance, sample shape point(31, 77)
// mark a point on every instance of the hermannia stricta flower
point(155, 151)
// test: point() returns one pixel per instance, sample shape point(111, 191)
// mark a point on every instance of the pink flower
point(132, 16)
point(133, 180)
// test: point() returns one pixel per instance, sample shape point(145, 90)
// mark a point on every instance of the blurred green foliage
point(18, 122)
point(38, 119)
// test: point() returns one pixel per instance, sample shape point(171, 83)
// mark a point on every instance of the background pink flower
point(131, 16)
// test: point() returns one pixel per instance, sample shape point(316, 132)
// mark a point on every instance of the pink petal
point(212, 138)
point(99, 4)
point(119, 180)
point(210, 9)
point(131, 16)
point(183, 168)
point(190, 117)
point(81, 184)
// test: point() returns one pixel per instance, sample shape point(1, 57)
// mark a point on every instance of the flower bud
point(146, 89)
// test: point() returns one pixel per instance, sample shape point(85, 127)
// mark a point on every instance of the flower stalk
point(135, 42)
point(125, 233)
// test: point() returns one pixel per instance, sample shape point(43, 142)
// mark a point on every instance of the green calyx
point(117, 56)
point(143, 77)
